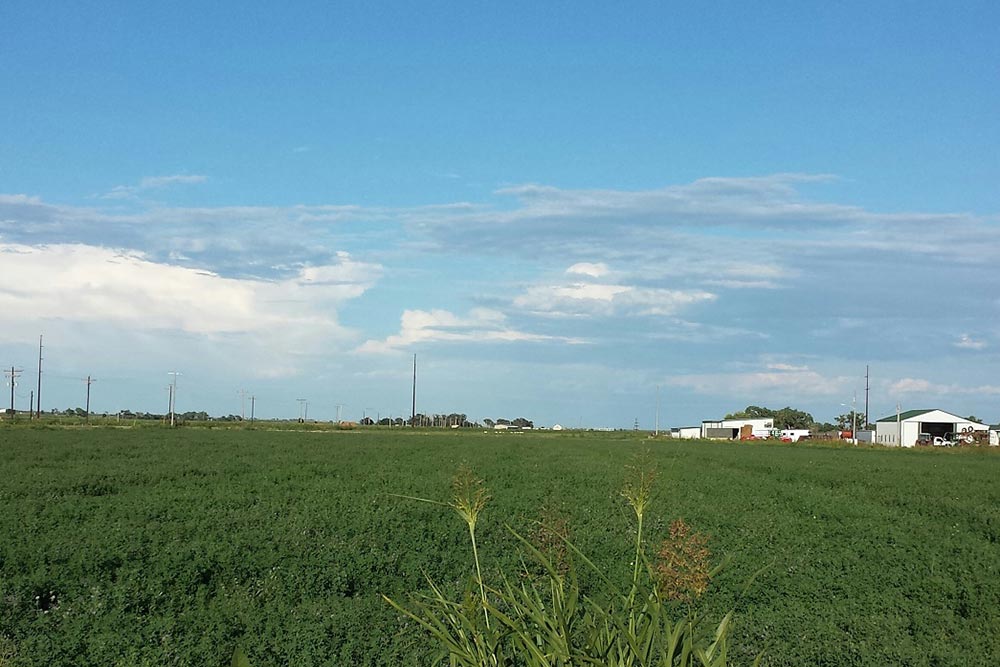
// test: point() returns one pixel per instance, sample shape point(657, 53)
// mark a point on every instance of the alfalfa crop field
point(153, 546)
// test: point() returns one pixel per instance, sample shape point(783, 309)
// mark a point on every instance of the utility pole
point(243, 404)
point(656, 426)
point(302, 404)
point(413, 405)
point(253, 399)
point(38, 405)
point(173, 397)
point(31, 405)
point(867, 420)
point(13, 374)
point(340, 406)
point(89, 380)
point(899, 428)
point(854, 418)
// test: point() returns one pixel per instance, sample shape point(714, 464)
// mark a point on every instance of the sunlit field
point(151, 546)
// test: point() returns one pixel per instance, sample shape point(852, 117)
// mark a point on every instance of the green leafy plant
point(550, 620)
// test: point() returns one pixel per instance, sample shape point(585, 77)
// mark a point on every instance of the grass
point(152, 546)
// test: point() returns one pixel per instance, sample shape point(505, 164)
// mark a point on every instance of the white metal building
point(914, 425)
point(731, 428)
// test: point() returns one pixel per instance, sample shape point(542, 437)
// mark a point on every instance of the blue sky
point(557, 206)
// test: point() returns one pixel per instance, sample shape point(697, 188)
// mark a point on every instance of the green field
point(159, 547)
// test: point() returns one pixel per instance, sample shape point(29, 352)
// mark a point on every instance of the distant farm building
point(734, 429)
point(686, 432)
point(922, 425)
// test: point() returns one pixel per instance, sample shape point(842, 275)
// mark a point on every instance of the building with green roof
point(911, 426)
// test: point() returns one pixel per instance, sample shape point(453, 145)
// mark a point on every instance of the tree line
point(790, 418)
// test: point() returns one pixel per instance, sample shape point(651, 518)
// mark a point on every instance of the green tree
point(846, 421)
point(752, 412)
point(791, 418)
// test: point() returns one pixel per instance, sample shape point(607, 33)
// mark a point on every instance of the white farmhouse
point(914, 425)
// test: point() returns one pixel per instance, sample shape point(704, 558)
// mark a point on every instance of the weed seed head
point(469, 496)
point(682, 568)
point(639, 485)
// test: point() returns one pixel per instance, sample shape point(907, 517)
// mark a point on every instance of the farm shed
point(686, 432)
point(914, 425)
point(731, 429)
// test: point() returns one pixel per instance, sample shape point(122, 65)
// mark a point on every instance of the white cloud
point(966, 342)
point(679, 330)
point(599, 299)
point(910, 386)
point(480, 325)
point(152, 183)
point(594, 270)
point(774, 381)
point(124, 290)
point(922, 386)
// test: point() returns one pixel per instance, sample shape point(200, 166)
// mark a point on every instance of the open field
point(159, 547)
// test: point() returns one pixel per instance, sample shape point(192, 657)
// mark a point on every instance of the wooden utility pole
point(38, 394)
point(13, 374)
point(89, 380)
point(413, 405)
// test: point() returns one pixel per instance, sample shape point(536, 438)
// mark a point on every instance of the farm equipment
point(969, 436)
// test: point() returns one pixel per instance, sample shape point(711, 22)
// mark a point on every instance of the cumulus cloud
point(124, 290)
point(479, 326)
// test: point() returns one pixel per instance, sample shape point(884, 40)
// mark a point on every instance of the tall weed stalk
point(549, 621)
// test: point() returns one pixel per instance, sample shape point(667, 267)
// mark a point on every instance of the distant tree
point(791, 418)
point(503, 422)
point(846, 421)
point(489, 422)
point(752, 412)
point(521, 422)
point(974, 418)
